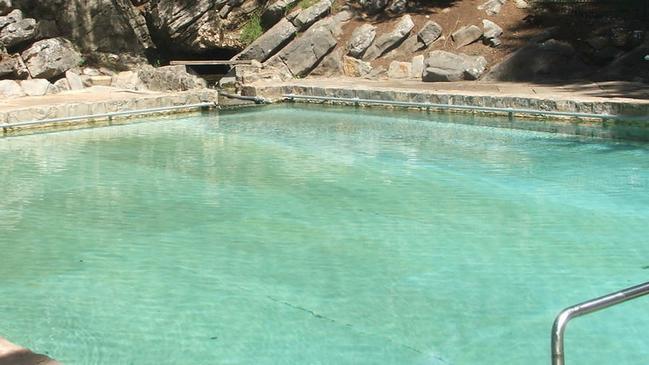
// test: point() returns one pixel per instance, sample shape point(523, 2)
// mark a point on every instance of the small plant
point(306, 3)
point(252, 29)
point(82, 62)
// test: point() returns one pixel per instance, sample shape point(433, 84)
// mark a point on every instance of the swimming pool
point(305, 235)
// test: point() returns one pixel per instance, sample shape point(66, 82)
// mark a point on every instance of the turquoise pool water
point(301, 235)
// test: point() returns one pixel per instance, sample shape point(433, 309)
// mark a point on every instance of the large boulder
point(94, 25)
point(50, 58)
point(547, 61)
point(354, 67)
point(10, 89)
point(388, 41)
point(331, 65)
point(361, 39)
point(14, 16)
point(492, 32)
point(169, 78)
point(399, 70)
point(18, 32)
point(37, 87)
point(275, 12)
point(418, 66)
point(74, 81)
point(304, 53)
point(312, 14)
point(466, 35)
point(270, 42)
point(374, 6)
point(492, 7)
point(11, 66)
point(446, 66)
point(429, 33)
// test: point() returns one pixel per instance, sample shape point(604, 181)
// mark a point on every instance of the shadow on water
point(25, 357)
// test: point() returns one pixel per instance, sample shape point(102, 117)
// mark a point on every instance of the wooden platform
point(211, 63)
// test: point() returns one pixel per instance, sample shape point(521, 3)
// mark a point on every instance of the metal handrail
point(509, 111)
point(587, 307)
point(109, 115)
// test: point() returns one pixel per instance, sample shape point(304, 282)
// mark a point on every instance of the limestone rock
point(331, 65)
point(74, 80)
point(387, 41)
point(301, 55)
point(275, 12)
point(18, 32)
point(417, 67)
point(411, 44)
point(354, 67)
point(398, 7)
point(13, 17)
point(13, 67)
point(37, 87)
point(361, 38)
point(312, 14)
point(93, 25)
point(521, 4)
point(547, 61)
point(399, 70)
point(492, 32)
point(466, 35)
point(492, 7)
point(127, 80)
point(446, 66)
point(270, 42)
point(374, 6)
point(62, 84)
point(50, 58)
point(169, 78)
point(10, 89)
point(429, 33)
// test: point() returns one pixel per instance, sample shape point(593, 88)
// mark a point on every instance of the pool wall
point(636, 128)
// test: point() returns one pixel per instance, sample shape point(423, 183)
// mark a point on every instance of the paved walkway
point(89, 95)
point(601, 91)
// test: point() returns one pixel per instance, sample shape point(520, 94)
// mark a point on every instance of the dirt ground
point(451, 17)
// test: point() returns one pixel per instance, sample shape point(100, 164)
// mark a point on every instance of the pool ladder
point(587, 307)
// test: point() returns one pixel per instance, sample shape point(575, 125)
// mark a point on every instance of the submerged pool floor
point(300, 235)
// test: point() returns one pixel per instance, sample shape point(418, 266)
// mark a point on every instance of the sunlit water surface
point(301, 235)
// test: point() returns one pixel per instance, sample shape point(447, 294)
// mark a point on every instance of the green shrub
point(252, 29)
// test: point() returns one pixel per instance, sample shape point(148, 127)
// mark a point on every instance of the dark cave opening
point(211, 73)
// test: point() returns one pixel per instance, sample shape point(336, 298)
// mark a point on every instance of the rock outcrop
point(304, 53)
point(492, 32)
point(310, 15)
point(361, 39)
point(50, 58)
point(466, 35)
point(270, 42)
point(446, 66)
point(388, 41)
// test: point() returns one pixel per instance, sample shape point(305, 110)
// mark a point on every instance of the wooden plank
point(211, 63)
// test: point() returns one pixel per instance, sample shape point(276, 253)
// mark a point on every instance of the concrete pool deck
point(92, 101)
point(12, 354)
point(613, 98)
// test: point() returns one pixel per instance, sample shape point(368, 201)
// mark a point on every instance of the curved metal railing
point(587, 307)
